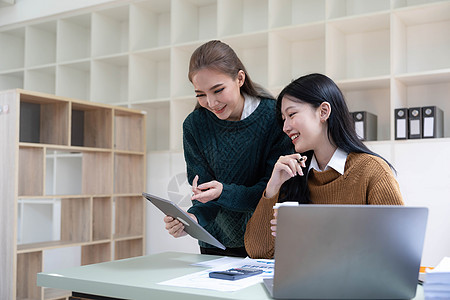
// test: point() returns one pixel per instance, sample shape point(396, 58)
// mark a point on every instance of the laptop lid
point(348, 251)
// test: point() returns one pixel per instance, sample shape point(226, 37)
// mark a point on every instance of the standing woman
point(231, 142)
point(338, 167)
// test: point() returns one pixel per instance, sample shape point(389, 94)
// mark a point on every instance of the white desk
point(137, 278)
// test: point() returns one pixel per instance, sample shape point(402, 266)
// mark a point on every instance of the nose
point(286, 126)
point(212, 102)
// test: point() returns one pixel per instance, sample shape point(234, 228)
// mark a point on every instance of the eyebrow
point(212, 88)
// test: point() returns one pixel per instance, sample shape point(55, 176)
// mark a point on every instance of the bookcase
point(383, 54)
point(72, 176)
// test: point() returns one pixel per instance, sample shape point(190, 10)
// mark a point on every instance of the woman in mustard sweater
point(336, 168)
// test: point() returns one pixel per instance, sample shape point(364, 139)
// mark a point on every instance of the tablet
point(190, 225)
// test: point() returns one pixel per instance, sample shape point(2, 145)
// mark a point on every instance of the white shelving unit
point(384, 54)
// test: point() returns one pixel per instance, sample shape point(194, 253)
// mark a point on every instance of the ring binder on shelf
point(415, 123)
point(365, 125)
point(401, 123)
point(432, 122)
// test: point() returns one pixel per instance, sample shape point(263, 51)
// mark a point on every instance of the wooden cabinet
point(72, 176)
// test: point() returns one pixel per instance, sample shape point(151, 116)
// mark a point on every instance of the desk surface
point(137, 278)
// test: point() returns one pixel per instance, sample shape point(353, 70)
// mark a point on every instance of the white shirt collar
point(337, 162)
point(250, 104)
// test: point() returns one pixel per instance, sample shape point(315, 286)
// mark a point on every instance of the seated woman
point(336, 168)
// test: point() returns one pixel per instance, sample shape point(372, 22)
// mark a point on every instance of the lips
point(219, 111)
point(294, 137)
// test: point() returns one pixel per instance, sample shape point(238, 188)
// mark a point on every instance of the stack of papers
point(437, 281)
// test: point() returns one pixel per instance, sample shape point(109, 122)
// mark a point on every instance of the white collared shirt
point(250, 104)
point(337, 162)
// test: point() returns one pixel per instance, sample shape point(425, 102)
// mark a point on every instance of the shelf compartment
point(416, 50)
point(109, 80)
point(43, 120)
point(92, 126)
point(150, 75)
point(28, 265)
point(128, 248)
point(95, 253)
point(97, 173)
point(193, 20)
point(101, 219)
point(149, 25)
point(295, 12)
point(75, 219)
point(252, 50)
point(40, 44)
point(179, 68)
point(63, 172)
point(180, 108)
point(74, 80)
point(129, 169)
point(128, 131)
point(413, 94)
point(37, 221)
point(31, 171)
point(157, 124)
point(13, 49)
point(346, 8)
point(55, 294)
point(248, 16)
point(12, 80)
point(373, 97)
point(129, 216)
point(296, 51)
point(41, 80)
point(110, 31)
point(74, 38)
point(396, 4)
point(358, 47)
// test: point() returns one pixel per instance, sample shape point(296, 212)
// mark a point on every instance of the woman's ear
point(241, 78)
point(325, 111)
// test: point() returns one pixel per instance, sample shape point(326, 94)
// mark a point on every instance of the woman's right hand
point(285, 168)
point(175, 227)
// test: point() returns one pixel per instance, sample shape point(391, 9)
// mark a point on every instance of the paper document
point(203, 281)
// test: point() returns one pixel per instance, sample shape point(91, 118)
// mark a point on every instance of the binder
point(415, 123)
point(432, 122)
point(365, 125)
point(401, 123)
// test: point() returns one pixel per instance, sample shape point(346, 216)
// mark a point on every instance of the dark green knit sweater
point(238, 154)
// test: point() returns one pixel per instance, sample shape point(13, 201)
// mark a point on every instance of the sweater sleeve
point(242, 198)
point(385, 190)
point(196, 164)
point(258, 239)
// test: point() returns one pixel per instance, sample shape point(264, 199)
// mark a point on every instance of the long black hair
point(315, 89)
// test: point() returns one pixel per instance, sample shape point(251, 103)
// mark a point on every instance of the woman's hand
point(175, 227)
point(206, 191)
point(285, 168)
point(273, 222)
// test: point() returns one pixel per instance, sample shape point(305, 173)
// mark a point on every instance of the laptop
point(347, 252)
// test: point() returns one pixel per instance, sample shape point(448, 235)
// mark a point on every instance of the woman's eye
point(291, 114)
point(218, 91)
point(200, 95)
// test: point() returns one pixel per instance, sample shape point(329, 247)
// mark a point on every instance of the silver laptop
point(347, 252)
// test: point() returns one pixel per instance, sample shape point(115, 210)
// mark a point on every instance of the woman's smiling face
point(219, 93)
point(302, 123)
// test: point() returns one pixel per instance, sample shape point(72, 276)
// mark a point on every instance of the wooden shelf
point(62, 174)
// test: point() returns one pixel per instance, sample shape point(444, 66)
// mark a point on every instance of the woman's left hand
point(273, 222)
point(206, 191)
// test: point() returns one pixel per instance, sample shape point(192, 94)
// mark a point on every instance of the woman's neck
point(324, 154)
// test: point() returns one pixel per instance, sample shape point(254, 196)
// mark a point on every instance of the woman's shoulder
point(367, 162)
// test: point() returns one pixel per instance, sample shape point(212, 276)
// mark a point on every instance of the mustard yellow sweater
point(367, 179)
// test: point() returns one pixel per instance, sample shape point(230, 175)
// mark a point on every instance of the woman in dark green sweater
point(231, 142)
